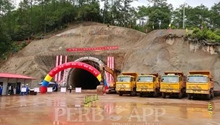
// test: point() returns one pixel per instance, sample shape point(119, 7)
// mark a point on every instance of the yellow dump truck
point(200, 83)
point(173, 83)
point(126, 83)
point(148, 84)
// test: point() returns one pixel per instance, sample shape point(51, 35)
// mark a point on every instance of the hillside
point(144, 53)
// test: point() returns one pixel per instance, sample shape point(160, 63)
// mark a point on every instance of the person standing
point(21, 92)
point(70, 89)
point(0, 90)
point(9, 90)
point(27, 89)
point(14, 90)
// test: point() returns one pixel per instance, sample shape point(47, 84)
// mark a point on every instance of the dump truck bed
point(154, 74)
point(173, 72)
point(129, 73)
point(200, 72)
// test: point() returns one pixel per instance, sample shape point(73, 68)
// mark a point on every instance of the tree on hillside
point(195, 17)
point(159, 14)
point(34, 18)
point(118, 12)
point(215, 16)
point(5, 41)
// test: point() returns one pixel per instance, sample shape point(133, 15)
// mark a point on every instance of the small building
point(14, 82)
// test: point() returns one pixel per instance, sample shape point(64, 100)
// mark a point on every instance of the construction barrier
point(63, 89)
point(50, 89)
point(92, 49)
point(36, 89)
point(78, 90)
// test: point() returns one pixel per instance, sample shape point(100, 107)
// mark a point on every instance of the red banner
point(92, 49)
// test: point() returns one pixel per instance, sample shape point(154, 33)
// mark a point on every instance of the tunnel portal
point(82, 78)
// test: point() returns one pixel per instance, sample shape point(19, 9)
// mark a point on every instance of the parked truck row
point(171, 83)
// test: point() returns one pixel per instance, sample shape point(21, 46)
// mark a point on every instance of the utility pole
point(31, 16)
point(105, 9)
point(45, 28)
point(184, 10)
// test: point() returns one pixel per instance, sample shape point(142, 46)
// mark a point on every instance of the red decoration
point(80, 65)
point(92, 49)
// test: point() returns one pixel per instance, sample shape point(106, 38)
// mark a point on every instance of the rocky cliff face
point(175, 55)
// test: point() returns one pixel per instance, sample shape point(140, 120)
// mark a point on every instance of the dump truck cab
point(173, 83)
point(148, 84)
point(200, 84)
point(126, 83)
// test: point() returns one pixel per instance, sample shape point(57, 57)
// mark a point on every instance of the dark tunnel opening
point(82, 78)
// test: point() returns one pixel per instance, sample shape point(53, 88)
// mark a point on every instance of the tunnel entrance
point(82, 78)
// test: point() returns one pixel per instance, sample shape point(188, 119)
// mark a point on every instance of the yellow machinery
point(148, 84)
point(200, 83)
point(114, 73)
point(100, 88)
point(173, 83)
point(126, 83)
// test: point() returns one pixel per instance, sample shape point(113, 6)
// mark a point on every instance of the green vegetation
point(204, 34)
point(33, 19)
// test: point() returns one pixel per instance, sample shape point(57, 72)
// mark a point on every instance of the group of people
point(20, 90)
point(26, 90)
point(15, 90)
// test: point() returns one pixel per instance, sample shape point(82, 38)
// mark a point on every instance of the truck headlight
point(188, 91)
point(206, 92)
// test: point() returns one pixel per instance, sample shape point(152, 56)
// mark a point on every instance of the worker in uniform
point(0, 90)
point(22, 93)
point(27, 89)
point(70, 88)
point(9, 90)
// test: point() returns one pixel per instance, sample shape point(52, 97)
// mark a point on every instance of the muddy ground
point(69, 109)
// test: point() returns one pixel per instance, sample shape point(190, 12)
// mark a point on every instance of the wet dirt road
point(68, 109)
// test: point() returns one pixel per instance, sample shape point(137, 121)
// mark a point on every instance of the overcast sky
point(175, 3)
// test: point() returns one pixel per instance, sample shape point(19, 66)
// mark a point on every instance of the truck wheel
point(189, 96)
point(155, 94)
point(120, 93)
point(209, 96)
point(164, 95)
point(212, 94)
point(140, 94)
point(133, 93)
point(180, 94)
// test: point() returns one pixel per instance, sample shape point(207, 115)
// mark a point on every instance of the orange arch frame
point(54, 71)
